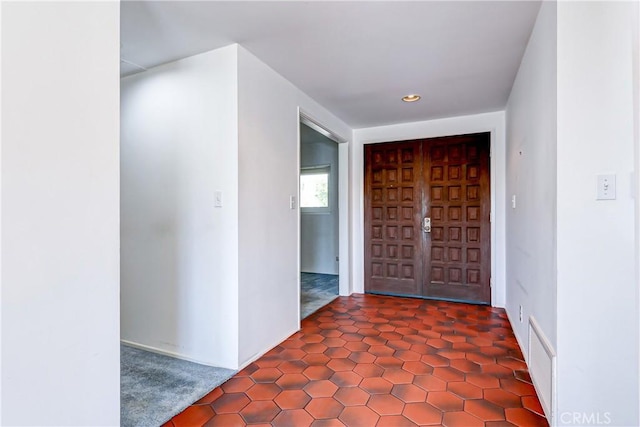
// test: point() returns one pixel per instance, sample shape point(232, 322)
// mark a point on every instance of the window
point(314, 188)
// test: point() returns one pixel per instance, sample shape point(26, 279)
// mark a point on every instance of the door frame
point(345, 287)
point(422, 150)
point(494, 123)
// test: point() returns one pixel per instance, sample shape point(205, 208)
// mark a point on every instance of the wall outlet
point(520, 314)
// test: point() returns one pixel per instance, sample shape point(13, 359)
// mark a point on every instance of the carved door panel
point(393, 194)
point(447, 181)
point(457, 250)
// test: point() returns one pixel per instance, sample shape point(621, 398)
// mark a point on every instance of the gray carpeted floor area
point(154, 388)
point(317, 290)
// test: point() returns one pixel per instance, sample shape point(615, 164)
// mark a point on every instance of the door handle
point(426, 224)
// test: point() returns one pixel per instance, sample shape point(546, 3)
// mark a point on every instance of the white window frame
point(317, 170)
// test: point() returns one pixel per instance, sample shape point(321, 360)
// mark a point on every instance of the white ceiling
point(356, 58)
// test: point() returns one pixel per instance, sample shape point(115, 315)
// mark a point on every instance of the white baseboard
point(261, 353)
point(169, 353)
point(202, 362)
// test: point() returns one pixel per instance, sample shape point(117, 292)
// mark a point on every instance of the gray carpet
point(154, 388)
point(317, 290)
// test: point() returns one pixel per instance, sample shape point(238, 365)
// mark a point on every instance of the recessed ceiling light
point(411, 98)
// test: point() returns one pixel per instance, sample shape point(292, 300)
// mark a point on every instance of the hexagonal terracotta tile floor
point(368, 360)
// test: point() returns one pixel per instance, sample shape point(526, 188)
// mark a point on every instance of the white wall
point(179, 252)
point(636, 183)
point(531, 178)
point(488, 122)
point(200, 282)
point(268, 228)
point(60, 219)
point(319, 231)
point(597, 294)
point(1, 399)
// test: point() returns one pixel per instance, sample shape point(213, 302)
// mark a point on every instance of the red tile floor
point(370, 360)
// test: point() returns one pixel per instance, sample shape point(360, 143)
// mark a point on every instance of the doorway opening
point(319, 201)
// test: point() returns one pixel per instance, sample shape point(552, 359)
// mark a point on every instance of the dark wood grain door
point(447, 181)
point(457, 250)
point(393, 194)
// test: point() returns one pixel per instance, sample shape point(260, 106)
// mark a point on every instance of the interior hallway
point(368, 360)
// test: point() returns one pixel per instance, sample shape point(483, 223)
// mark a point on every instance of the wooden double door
point(427, 218)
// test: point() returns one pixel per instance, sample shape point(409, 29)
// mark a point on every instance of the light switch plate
point(218, 197)
point(606, 187)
